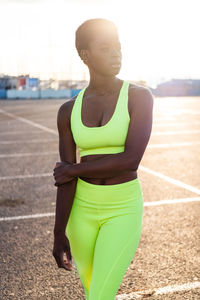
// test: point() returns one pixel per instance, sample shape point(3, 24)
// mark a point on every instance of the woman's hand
point(61, 247)
point(61, 173)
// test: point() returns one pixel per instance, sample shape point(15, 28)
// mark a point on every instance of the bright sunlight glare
point(159, 38)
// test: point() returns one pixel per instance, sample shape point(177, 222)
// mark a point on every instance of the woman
point(99, 205)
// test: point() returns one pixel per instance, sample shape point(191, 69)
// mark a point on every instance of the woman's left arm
point(138, 136)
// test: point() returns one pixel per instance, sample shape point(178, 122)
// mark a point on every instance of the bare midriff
point(119, 178)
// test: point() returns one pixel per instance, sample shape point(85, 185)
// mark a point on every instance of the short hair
point(87, 30)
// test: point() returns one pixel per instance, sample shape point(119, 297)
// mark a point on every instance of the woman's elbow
point(133, 167)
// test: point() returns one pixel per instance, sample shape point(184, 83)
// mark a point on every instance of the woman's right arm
point(65, 192)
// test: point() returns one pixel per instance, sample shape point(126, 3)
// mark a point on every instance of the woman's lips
point(117, 65)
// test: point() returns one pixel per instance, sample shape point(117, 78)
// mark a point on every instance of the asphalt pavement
point(167, 262)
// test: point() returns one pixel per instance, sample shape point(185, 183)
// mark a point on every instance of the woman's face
point(104, 53)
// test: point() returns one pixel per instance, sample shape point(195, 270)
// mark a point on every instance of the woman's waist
point(120, 178)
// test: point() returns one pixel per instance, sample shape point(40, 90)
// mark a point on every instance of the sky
point(160, 38)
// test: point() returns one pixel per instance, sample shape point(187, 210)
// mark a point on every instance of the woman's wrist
point(59, 231)
point(74, 170)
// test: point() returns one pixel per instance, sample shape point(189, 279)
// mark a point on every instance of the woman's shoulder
point(137, 90)
point(140, 95)
point(133, 87)
point(66, 108)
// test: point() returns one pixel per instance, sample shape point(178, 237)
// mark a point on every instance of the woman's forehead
point(105, 37)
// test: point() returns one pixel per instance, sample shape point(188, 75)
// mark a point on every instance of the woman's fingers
point(60, 251)
point(69, 255)
point(61, 179)
point(61, 263)
point(64, 265)
point(57, 166)
point(61, 163)
point(60, 171)
point(59, 175)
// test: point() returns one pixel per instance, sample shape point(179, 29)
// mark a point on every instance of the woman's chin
point(112, 72)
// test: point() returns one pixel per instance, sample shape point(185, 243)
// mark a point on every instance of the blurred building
point(178, 87)
point(62, 84)
point(53, 87)
point(22, 82)
point(8, 82)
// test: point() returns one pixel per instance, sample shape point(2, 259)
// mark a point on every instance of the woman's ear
point(84, 55)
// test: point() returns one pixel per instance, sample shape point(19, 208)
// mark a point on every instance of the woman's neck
point(103, 86)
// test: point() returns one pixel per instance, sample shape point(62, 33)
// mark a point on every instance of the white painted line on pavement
point(173, 145)
point(26, 176)
point(177, 288)
point(27, 154)
point(29, 122)
point(20, 132)
point(149, 146)
point(154, 125)
point(185, 111)
point(172, 201)
point(160, 291)
point(176, 112)
point(28, 141)
point(175, 132)
point(27, 217)
point(175, 124)
point(171, 180)
point(164, 118)
point(158, 174)
point(153, 203)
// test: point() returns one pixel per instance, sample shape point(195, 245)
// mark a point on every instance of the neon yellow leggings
point(104, 230)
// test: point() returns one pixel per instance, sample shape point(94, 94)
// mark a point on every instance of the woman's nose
point(116, 52)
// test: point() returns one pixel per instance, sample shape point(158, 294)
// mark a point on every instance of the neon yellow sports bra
point(107, 139)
